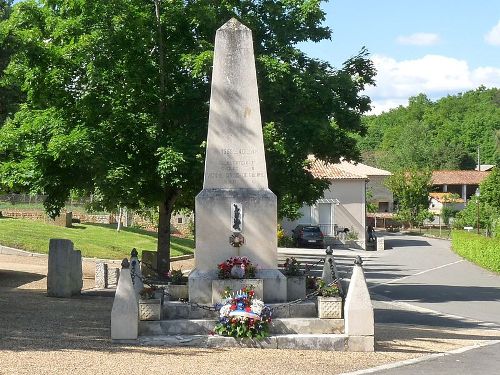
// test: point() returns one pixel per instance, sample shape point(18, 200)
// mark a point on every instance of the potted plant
point(295, 279)
point(149, 306)
point(177, 288)
point(329, 301)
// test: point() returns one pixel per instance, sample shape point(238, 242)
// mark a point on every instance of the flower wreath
point(243, 315)
point(242, 264)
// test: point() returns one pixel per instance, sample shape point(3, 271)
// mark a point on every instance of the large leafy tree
point(411, 191)
point(10, 95)
point(117, 96)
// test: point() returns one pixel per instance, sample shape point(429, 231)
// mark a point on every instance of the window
point(179, 220)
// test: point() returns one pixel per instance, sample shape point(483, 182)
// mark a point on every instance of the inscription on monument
point(238, 163)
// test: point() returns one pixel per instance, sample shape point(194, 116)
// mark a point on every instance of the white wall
point(349, 213)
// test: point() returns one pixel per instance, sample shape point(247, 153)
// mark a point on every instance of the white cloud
point(493, 36)
point(419, 39)
point(433, 75)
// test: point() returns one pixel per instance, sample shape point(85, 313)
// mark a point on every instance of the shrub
point(483, 251)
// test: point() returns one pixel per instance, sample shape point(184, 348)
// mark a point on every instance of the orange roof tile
point(458, 177)
point(445, 198)
point(320, 169)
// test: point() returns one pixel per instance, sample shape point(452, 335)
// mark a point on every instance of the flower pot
point(150, 309)
point(176, 292)
point(295, 287)
point(329, 307)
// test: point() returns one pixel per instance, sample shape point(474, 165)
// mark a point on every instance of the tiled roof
point(320, 169)
point(458, 177)
point(445, 198)
point(363, 169)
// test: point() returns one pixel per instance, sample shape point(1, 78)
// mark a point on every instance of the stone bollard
point(330, 272)
point(101, 275)
point(125, 310)
point(380, 243)
point(135, 272)
point(64, 277)
point(358, 312)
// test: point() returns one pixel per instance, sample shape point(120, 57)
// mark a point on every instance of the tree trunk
point(163, 249)
point(120, 216)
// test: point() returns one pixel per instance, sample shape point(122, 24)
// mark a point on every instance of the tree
point(436, 135)
point(411, 191)
point(10, 95)
point(117, 99)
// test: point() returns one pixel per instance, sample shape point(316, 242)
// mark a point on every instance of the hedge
point(483, 251)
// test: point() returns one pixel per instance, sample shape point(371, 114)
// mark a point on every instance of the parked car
point(308, 235)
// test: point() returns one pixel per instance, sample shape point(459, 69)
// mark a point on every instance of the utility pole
point(478, 160)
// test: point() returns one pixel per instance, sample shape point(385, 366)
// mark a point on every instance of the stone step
point(206, 326)
point(330, 342)
point(182, 310)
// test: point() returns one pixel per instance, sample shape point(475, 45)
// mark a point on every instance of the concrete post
point(125, 311)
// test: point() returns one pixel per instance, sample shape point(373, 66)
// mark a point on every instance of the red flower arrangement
point(243, 268)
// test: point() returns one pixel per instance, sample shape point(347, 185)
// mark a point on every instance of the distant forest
point(444, 134)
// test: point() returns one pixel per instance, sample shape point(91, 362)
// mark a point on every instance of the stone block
point(312, 342)
point(307, 326)
point(295, 287)
point(64, 277)
point(148, 263)
point(150, 309)
point(176, 292)
point(101, 275)
point(219, 286)
point(125, 310)
point(213, 229)
point(361, 344)
point(274, 285)
point(329, 307)
point(200, 285)
point(358, 308)
point(380, 243)
point(113, 275)
point(231, 342)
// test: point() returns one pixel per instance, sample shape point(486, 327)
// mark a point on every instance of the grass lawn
point(94, 240)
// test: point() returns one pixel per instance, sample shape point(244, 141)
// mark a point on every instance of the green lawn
point(94, 240)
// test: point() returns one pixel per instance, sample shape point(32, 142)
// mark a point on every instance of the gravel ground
point(43, 335)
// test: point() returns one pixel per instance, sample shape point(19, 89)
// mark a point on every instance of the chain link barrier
point(336, 282)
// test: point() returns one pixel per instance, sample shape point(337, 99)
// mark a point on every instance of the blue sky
point(437, 47)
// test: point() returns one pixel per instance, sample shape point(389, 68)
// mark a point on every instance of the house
point(437, 201)
point(343, 204)
point(462, 183)
point(379, 193)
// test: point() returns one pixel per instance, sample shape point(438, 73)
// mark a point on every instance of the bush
point(483, 251)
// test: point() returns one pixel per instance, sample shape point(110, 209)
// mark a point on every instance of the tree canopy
point(117, 91)
point(438, 135)
point(411, 193)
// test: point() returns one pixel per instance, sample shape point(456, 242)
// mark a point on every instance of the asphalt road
point(420, 281)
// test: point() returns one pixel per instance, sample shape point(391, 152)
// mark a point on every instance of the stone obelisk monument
point(235, 211)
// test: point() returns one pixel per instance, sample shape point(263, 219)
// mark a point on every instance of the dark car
point(308, 235)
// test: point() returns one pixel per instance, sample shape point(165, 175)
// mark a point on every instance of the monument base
point(200, 285)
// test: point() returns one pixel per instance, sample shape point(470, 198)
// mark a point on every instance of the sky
point(438, 47)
